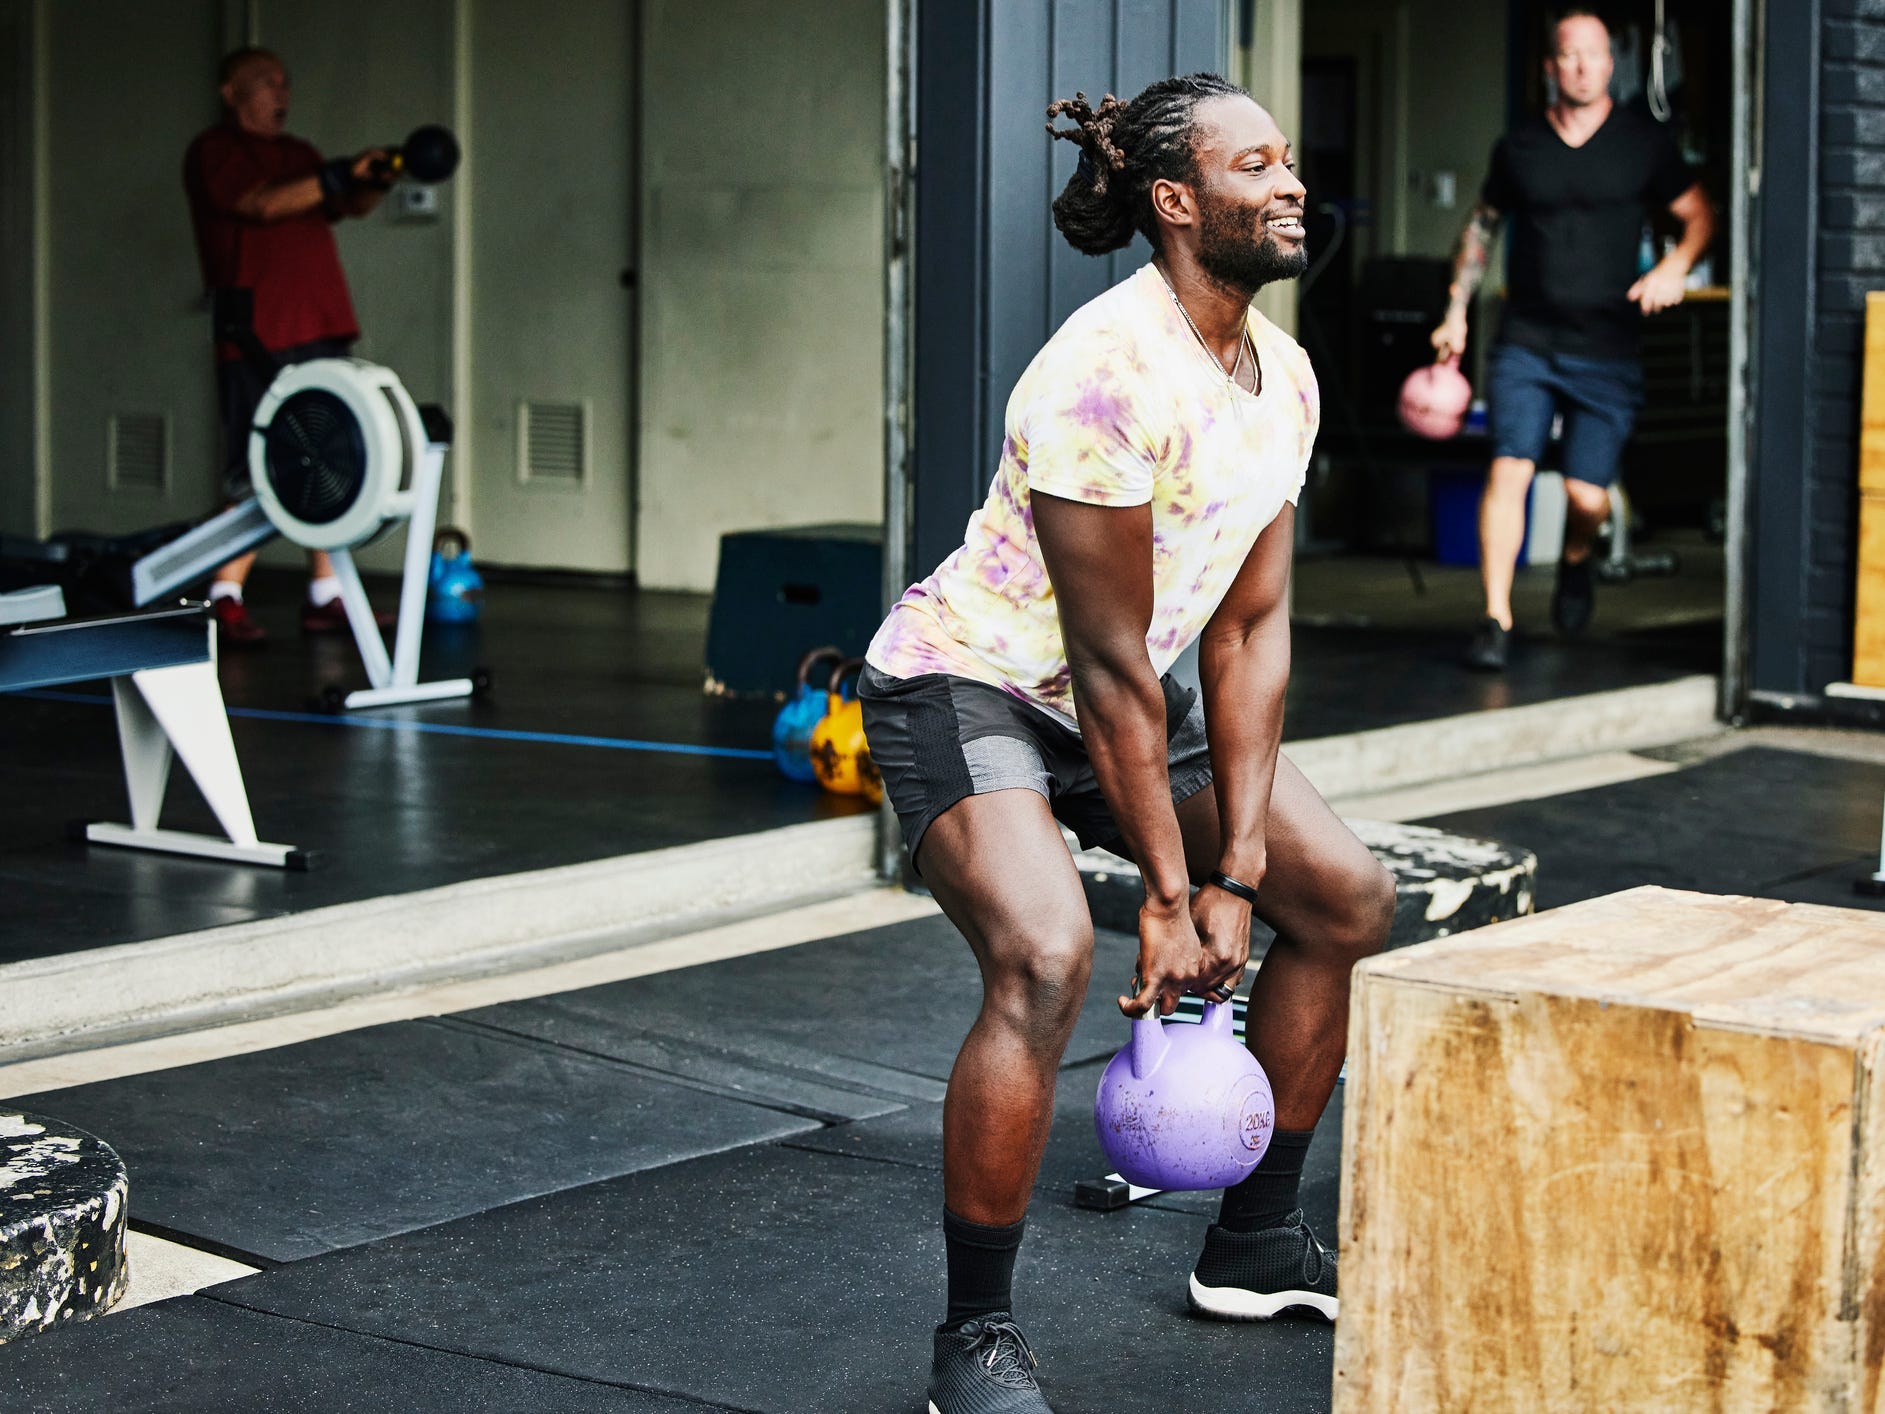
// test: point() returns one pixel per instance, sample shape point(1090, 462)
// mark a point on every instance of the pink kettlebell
point(1435, 399)
point(1184, 1106)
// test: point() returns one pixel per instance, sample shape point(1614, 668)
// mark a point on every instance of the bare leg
point(1001, 872)
point(1586, 507)
point(1502, 532)
point(237, 570)
point(1331, 904)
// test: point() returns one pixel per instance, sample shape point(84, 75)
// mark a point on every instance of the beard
point(1237, 249)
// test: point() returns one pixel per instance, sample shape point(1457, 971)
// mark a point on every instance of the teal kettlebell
point(792, 729)
point(454, 588)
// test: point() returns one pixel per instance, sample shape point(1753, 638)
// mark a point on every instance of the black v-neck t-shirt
point(1576, 217)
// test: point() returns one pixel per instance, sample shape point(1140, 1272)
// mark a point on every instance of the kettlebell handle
point(817, 655)
point(451, 535)
point(841, 672)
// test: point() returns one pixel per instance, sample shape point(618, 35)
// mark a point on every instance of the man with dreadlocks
point(1145, 500)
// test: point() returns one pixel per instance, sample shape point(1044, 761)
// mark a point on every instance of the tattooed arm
point(1470, 258)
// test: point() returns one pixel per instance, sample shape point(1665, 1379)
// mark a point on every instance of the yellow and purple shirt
point(1123, 406)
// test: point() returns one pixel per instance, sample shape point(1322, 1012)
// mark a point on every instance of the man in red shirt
point(263, 204)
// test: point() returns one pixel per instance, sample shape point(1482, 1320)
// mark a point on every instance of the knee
point(1040, 983)
point(1361, 927)
point(1587, 500)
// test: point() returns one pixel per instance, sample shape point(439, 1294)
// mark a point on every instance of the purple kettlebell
point(1184, 1106)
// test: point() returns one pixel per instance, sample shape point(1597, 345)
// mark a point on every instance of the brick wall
point(1850, 249)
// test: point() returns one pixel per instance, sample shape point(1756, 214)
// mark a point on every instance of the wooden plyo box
point(1624, 1155)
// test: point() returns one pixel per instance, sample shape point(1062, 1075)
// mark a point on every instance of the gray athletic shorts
point(936, 739)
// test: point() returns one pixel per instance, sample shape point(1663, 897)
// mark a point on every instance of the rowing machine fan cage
point(333, 450)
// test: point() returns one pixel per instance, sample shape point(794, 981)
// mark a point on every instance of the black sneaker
point(1252, 1276)
point(1486, 653)
point(984, 1366)
point(1574, 598)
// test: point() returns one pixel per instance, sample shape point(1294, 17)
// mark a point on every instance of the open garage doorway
point(1400, 103)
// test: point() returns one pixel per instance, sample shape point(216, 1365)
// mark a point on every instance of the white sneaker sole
point(1233, 1303)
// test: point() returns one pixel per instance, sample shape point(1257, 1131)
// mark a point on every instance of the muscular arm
point(1697, 215)
point(1099, 560)
point(1470, 258)
point(1243, 664)
point(1664, 285)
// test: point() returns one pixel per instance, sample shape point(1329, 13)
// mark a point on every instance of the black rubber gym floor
point(719, 1187)
point(1778, 824)
point(536, 1185)
point(398, 800)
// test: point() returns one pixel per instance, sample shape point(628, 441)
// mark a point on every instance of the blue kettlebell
point(792, 729)
point(454, 588)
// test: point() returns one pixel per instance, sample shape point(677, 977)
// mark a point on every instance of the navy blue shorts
point(1598, 397)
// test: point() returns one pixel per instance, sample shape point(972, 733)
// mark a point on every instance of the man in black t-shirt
point(1578, 184)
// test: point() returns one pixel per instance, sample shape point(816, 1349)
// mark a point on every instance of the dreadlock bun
point(1124, 148)
point(1089, 211)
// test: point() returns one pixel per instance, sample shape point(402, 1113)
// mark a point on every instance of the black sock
point(981, 1266)
point(1268, 1194)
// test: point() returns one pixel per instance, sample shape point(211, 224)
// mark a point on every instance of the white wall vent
point(137, 454)
point(553, 443)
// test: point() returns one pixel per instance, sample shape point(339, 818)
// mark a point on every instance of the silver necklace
point(1230, 379)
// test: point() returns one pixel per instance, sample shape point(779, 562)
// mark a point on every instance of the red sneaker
point(234, 626)
point(331, 617)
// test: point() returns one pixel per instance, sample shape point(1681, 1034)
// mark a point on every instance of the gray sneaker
point(985, 1366)
point(1252, 1276)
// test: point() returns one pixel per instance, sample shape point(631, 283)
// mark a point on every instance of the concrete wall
point(1448, 125)
point(129, 331)
point(762, 274)
point(1416, 125)
point(552, 119)
point(761, 228)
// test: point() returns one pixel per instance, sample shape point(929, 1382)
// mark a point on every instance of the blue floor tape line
point(395, 724)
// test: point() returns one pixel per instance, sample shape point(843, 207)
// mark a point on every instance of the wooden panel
point(1618, 1156)
point(1868, 1209)
point(1793, 969)
point(1868, 622)
point(1868, 633)
point(1872, 401)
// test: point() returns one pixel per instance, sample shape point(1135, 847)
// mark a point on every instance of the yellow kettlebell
point(841, 758)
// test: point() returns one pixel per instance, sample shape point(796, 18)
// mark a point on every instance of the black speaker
point(1401, 299)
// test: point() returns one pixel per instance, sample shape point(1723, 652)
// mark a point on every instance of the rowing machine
point(339, 456)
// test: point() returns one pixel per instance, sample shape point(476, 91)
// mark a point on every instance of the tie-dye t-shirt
point(1122, 407)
